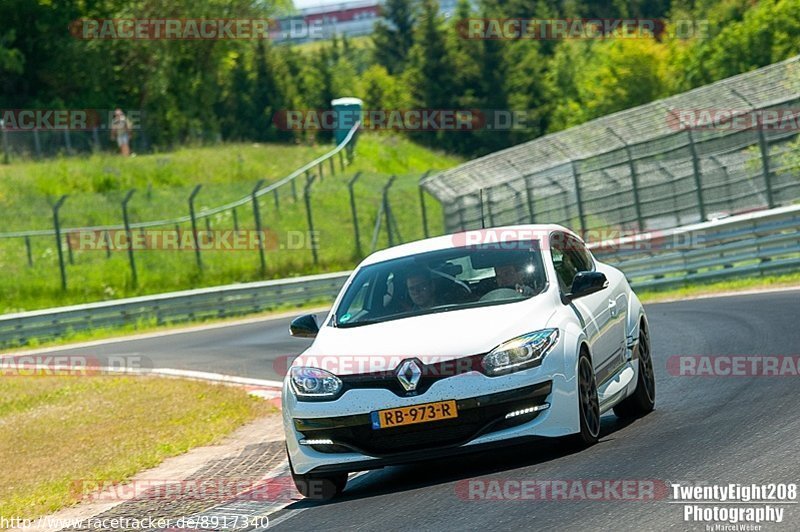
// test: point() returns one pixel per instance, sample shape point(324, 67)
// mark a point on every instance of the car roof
point(508, 233)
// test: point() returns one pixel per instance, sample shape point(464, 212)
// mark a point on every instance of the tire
point(318, 486)
point(642, 401)
point(588, 403)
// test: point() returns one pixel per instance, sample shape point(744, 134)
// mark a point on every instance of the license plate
point(410, 415)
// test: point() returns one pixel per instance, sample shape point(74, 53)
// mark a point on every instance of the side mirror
point(304, 326)
point(586, 283)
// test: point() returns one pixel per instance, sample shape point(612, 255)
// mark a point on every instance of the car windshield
point(439, 281)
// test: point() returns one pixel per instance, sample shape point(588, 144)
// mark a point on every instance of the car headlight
point(523, 352)
point(314, 383)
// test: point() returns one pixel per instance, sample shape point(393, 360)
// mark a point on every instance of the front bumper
point(483, 403)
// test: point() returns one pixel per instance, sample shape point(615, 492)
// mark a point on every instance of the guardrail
point(755, 243)
point(174, 307)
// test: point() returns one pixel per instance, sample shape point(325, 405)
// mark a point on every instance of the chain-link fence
point(725, 148)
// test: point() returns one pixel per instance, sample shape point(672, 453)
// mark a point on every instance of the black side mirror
point(586, 283)
point(304, 326)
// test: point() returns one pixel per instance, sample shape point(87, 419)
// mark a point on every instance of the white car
point(460, 342)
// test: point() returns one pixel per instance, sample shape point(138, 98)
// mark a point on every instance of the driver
point(513, 276)
point(421, 290)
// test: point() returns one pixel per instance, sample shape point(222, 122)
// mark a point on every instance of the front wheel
point(643, 399)
point(319, 486)
point(588, 403)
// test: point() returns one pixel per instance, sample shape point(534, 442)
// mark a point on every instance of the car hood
point(429, 338)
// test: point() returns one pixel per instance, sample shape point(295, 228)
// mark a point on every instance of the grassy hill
point(97, 184)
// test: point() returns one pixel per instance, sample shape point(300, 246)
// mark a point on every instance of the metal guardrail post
point(57, 227)
point(129, 237)
point(386, 213)
point(198, 258)
point(257, 217)
point(354, 213)
point(310, 218)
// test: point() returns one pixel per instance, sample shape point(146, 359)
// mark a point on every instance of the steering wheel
point(499, 294)
point(458, 282)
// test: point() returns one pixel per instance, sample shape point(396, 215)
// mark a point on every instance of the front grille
point(476, 416)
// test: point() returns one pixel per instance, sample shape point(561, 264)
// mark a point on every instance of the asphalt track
point(708, 430)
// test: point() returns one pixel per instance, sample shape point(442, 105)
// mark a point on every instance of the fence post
point(764, 147)
point(530, 200)
point(28, 251)
point(277, 201)
point(68, 238)
point(37, 144)
point(386, 210)
point(67, 142)
point(235, 221)
point(698, 182)
point(422, 205)
point(57, 225)
point(6, 159)
point(489, 206)
point(578, 197)
point(333, 166)
point(257, 216)
point(129, 237)
point(637, 205)
point(310, 218)
point(198, 258)
point(294, 188)
point(341, 161)
point(353, 211)
point(321, 168)
point(108, 243)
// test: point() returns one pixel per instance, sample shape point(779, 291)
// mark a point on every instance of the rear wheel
point(643, 399)
point(319, 486)
point(588, 403)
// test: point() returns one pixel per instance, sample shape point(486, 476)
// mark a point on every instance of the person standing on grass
point(121, 132)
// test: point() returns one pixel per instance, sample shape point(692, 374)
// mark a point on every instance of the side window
point(569, 258)
point(580, 256)
point(564, 269)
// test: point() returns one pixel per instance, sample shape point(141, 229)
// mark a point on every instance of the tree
point(393, 39)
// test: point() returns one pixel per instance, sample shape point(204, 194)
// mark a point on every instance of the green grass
point(57, 431)
point(733, 285)
point(96, 185)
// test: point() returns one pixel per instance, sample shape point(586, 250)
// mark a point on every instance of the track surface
point(714, 430)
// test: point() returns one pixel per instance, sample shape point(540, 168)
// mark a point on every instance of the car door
point(601, 314)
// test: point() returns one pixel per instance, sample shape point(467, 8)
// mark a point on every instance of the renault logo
point(408, 373)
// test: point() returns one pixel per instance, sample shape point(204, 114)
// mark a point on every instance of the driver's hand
point(524, 289)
